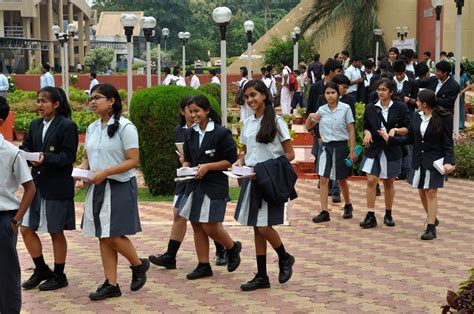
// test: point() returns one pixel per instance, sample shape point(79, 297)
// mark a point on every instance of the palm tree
point(360, 16)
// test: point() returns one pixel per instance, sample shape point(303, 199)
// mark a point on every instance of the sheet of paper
point(236, 176)
point(82, 174)
point(186, 178)
point(439, 165)
point(30, 156)
point(186, 171)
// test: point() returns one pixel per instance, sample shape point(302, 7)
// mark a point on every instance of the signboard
point(409, 43)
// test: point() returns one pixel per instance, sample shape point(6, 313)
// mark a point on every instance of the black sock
point(219, 248)
point(40, 264)
point(59, 268)
point(204, 265)
point(388, 212)
point(282, 255)
point(262, 265)
point(173, 247)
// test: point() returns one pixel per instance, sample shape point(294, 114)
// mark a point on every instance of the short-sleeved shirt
point(13, 172)
point(333, 123)
point(47, 79)
point(215, 80)
point(259, 152)
point(195, 83)
point(104, 152)
point(353, 74)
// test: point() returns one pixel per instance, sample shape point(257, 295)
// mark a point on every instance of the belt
point(10, 213)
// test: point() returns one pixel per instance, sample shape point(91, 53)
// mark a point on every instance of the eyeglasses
point(96, 97)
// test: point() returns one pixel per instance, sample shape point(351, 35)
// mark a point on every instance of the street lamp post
point(184, 36)
point(402, 33)
point(438, 6)
point(377, 33)
point(248, 26)
point(222, 16)
point(165, 33)
point(158, 61)
point(128, 22)
point(148, 23)
point(295, 36)
point(459, 5)
point(63, 38)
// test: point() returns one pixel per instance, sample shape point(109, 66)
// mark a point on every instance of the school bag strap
point(14, 161)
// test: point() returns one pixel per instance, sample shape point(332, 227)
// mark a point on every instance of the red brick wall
point(426, 29)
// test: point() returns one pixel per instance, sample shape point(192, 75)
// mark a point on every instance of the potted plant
point(288, 119)
point(299, 115)
point(83, 119)
point(22, 124)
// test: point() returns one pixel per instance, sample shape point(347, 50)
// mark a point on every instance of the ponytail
point(58, 95)
point(438, 117)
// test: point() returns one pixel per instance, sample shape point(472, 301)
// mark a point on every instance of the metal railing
point(14, 31)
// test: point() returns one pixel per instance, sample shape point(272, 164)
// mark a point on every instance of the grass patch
point(145, 196)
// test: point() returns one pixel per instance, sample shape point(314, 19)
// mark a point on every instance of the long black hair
point(268, 128)
point(439, 113)
point(110, 91)
point(57, 95)
point(390, 85)
point(182, 105)
point(203, 103)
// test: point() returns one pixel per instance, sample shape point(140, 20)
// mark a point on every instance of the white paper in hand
point(242, 170)
point(439, 165)
point(186, 171)
point(30, 156)
point(81, 174)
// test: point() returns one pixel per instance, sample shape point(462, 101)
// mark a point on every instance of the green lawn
point(145, 196)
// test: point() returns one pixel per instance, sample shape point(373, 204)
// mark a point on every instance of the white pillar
point(148, 64)
point(438, 40)
point(376, 53)
point(50, 33)
point(129, 73)
point(223, 83)
point(295, 56)
point(158, 68)
point(2, 24)
point(457, 71)
point(80, 34)
point(184, 59)
point(70, 17)
point(66, 70)
point(249, 59)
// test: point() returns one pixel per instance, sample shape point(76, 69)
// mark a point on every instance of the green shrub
point(78, 95)
point(212, 89)
point(123, 95)
point(155, 112)
point(19, 96)
point(83, 119)
point(359, 133)
point(464, 152)
point(81, 152)
point(28, 105)
point(11, 84)
point(36, 70)
point(23, 120)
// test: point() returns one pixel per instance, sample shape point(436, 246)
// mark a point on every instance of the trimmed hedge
point(155, 113)
point(212, 89)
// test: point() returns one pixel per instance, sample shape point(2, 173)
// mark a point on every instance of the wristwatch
point(15, 222)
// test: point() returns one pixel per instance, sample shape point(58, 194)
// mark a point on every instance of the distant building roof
point(109, 24)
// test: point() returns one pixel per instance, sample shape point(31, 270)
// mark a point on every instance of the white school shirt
point(400, 83)
point(47, 80)
point(353, 74)
point(260, 152)
point(273, 88)
point(46, 125)
point(167, 79)
point(4, 86)
point(13, 172)
point(384, 111)
point(368, 76)
point(93, 83)
point(424, 123)
point(440, 84)
point(333, 123)
point(195, 82)
point(215, 80)
point(104, 152)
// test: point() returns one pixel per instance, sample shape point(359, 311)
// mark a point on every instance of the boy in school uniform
point(13, 172)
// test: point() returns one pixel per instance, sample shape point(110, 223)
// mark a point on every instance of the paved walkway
point(339, 267)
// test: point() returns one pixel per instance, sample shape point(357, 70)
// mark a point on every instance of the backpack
point(174, 81)
point(240, 97)
point(292, 81)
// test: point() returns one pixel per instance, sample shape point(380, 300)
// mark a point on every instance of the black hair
point(167, 70)
point(109, 91)
point(182, 105)
point(356, 57)
point(4, 108)
point(370, 56)
point(390, 84)
point(345, 52)
point(450, 54)
point(384, 65)
point(387, 75)
point(94, 75)
point(175, 71)
point(369, 64)
point(188, 73)
point(462, 70)
point(268, 128)
point(57, 95)
point(203, 103)
point(404, 58)
point(421, 69)
point(399, 66)
point(427, 53)
point(244, 71)
point(410, 53)
point(332, 65)
point(297, 72)
point(316, 57)
point(46, 67)
point(341, 79)
point(270, 68)
point(443, 66)
point(394, 49)
point(333, 86)
point(212, 72)
point(439, 113)
point(336, 55)
point(303, 67)
point(443, 53)
point(284, 62)
point(263, 69)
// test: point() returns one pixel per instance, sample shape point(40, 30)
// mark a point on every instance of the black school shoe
point(347, 211)
point(37, 278)
point(323, 216)
point(377, 191)
point(139, 274)
point(163, 260)
point(286, 269)
point(430, 232)
point(370, 221)
point(258, 282)
point(56, 282)
point(105, 291)
point(233, 256)
point(388, 221)
point(336, 198)
point(221, 258)
point(201, 271)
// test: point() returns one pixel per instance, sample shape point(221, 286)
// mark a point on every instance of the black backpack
point(240, 97)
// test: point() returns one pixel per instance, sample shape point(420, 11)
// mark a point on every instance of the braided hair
point(110, 92)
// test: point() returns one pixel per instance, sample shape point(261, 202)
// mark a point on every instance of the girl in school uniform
point(431, 134)
point(55, 137)
point(382, 159)
point(209, 147)
point(111, 207)
point(178, 230)
point(336, 128)
point(265, 137)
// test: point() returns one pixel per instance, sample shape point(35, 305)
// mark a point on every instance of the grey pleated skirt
point(425, 179)
point(111, 209)
point(331, 162)
point(51, 216)
point(198, 207)
point(381, 167)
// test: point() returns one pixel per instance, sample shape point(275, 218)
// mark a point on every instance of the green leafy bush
point(155, 112)
point(19, 96)
point(99, 58)
point(83, 119)
point(123, 95)
point(36, 70)
point(462, 301)
point(23, 120)
point(81, 152)
point(78, 95)
point(11, 83)
point(212, 89)
point(24, 106)
point(464, 152)
point(359, 133)
point(279, 49)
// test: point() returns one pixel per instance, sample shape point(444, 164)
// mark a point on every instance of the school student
point(111, 206)
point(383, 160)
point(55, 137)
point(431, 133)
point(267, 141)
point(214, 78)
point(178, 230)
point(336, 128)
point(14, 172)
point(209, 147)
